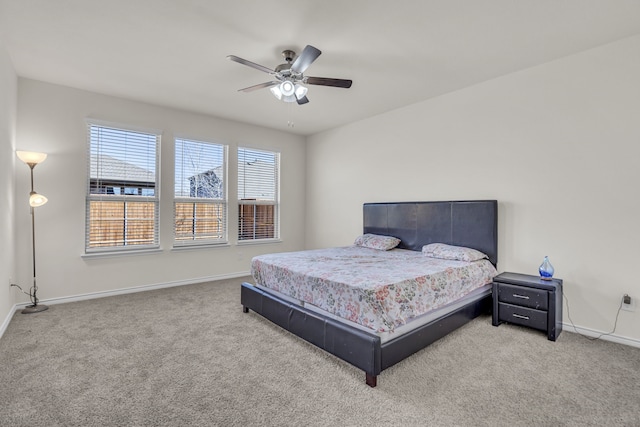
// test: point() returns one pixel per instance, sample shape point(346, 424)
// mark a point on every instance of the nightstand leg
point(494, 315)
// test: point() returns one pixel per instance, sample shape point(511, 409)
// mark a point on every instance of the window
point(122, 192)
point(200, 205)
point(258, 201)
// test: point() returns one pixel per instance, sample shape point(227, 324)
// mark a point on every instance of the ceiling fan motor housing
point(283, 69)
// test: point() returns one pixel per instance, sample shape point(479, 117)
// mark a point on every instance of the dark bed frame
point(472, 224)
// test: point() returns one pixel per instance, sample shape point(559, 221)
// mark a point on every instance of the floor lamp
point(35, 200)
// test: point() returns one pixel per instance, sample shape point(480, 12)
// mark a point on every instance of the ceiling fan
point(288, 80)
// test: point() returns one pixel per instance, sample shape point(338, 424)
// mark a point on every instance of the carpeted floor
point(188, 356)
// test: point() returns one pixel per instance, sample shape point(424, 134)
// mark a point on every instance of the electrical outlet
point(628, 303)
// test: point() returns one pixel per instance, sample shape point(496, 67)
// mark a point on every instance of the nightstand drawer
point(526, 297)
point(518, 315)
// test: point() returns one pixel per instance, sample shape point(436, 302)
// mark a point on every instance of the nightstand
point(529, 301)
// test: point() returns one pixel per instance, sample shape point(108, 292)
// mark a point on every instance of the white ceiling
point(173, 52)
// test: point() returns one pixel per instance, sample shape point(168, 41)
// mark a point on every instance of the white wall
point(557, 145)
point(8, 97)
point(51, 119)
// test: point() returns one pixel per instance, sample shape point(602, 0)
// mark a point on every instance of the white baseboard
point(134, 289)
point(7, 320)
point(609, 337)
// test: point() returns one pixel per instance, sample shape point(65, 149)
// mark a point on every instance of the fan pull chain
point(290, 122)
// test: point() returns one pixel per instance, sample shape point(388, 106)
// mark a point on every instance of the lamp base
point(35, 309)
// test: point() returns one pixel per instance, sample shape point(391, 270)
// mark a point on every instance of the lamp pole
point(35, 307)
point(35, 200)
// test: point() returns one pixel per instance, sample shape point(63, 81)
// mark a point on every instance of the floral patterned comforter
point(380, 290)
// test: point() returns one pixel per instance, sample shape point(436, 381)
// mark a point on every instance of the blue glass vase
point(546, 269)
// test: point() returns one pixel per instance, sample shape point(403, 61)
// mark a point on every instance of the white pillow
point(458, 253)
point(375, 241)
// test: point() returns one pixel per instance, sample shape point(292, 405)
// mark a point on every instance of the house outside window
point(122, 192)
point(258, 195)
point(200, 204)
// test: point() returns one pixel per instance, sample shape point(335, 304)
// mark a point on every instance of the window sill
point(121, 253)
point(257, 242)
point(201, 246)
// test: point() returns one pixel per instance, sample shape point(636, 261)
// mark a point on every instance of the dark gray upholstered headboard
point(473, 224)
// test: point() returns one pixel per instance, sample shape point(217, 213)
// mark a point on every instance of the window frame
point(255, 202)
point(202, 201)
point(154, 200)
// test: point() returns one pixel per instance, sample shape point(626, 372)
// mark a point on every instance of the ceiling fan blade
point(260, 86)
point(250, 64)
point(323, 81)
point(308, 55)
point(302, 100)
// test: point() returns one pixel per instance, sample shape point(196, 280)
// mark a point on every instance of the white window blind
point(200, 204)
point(258, 199)
point(122, 190)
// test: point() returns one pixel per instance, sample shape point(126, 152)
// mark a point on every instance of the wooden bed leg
point(245, 309)
point(371, 380)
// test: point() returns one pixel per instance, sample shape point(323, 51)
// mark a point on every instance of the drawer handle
point(521, 296)
point(519, 316)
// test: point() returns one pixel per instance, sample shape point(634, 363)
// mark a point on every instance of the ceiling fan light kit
point(289, 76)
point(288, 91)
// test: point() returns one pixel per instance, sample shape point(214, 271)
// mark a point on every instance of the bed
point(374, 344)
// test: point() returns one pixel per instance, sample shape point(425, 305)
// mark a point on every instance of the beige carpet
point(188, 356)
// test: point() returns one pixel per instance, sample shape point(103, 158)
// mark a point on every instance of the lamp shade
point(301, 91)
point(287, 88)
point(36, 200)
point(30, 157)
point(276, 92)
